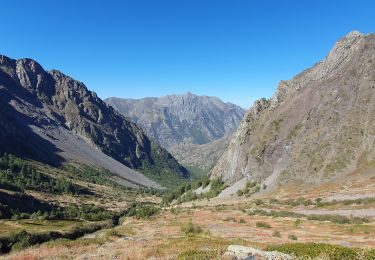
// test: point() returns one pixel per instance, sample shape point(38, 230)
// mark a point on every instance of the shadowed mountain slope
point(50, 117)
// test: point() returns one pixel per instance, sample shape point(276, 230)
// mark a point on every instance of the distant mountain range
point(318, 127)
point(50, 117)
point(195, 129)
point(176, 120)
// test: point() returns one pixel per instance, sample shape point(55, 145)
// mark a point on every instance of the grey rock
point(249, 253)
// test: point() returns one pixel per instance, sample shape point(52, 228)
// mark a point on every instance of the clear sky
point(235, 50)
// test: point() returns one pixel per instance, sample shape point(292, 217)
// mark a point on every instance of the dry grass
point(161, 237)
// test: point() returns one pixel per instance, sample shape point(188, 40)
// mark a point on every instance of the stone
point(237, 252)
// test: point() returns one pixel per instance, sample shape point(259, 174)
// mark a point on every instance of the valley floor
point(204, 232)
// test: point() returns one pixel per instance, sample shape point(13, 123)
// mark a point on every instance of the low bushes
point(190, 229)
point(338, 219)
point(23, 239)
point(186, 192)
point(200, 254)
point(318, 202)
point(17, 174)
point(230, 219)
point(292, 237)
point(326, 217)
point(262, 225)
point(139, 211)
point(250, 188)
point(276, 214)
point(323, 251)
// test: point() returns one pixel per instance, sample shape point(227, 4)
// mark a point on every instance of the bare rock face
point(317, 127)
point(181, 120)
point(31, 96)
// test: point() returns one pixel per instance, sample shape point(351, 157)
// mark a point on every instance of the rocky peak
point(336, 59)
point(353, 35)
point(6, 61)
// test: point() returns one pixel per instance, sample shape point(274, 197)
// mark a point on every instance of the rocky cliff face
point(181, 119)
point(32, 97)
point(317, 127)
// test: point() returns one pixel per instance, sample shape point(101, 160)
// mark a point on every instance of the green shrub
point(242, 221)
point(338, 219)
point(190, 229)
point(200, 254)
point(322, 251)
point(297, 223)
point(17, 174)
point(292, 237)
point(274, 201)
point(186, 193)
point(142, 211)
point(332, 218)
point(230, 219)
point(262, 225)
point(23, 240)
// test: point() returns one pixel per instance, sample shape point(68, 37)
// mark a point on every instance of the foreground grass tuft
point(190, 229)
point(262, 225)
point(200, 254)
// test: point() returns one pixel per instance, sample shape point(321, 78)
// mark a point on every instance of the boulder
point(249, 253)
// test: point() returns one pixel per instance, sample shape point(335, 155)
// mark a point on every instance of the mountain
point(181, 119)
point(201, 157)
point(318, 127)
point(50, 117)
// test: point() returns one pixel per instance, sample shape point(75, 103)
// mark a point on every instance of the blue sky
point(235, 50)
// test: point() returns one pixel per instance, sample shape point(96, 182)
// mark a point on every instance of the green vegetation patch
point(200, 254)
point(294, 132)
point(262, 225)
point(190, 229)
point(186, 193)
point(17, 174)
point(326, 217)
point(250, 188)
point(23, 239)
point(323, 251)
point(142, 211)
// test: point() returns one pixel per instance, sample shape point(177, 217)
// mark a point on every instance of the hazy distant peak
point(184, 118)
